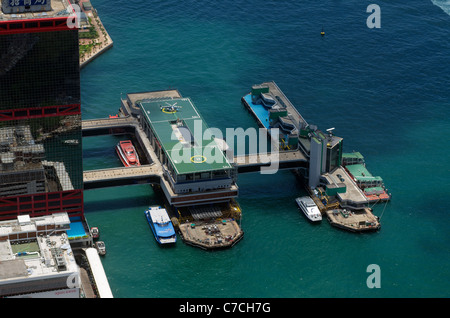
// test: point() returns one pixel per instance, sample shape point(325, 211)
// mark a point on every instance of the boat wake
point(443, 4)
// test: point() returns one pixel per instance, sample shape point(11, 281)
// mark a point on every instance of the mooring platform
point(211, 234)
point(354, 221)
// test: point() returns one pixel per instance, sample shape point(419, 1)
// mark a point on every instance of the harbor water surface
point(384, 90)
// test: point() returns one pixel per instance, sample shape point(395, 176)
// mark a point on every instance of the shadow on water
point(120, 203)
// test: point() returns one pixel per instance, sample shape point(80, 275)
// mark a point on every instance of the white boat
point(100, 246)
point(95, 233)
point(309, 208)
point(161, 226)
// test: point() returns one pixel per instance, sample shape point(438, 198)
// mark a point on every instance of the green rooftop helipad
point(180, 130)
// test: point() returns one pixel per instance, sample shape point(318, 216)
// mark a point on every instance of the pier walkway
point(101, 178)
point(294, 115)
point(282, 160)
point(106, 126)
point(150, 173)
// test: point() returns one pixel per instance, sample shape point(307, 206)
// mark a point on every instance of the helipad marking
point(198, 159)
point(169, 112)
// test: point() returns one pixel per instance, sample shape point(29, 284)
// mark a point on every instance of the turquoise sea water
point(384, 90)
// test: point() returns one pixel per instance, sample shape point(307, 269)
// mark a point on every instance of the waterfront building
point(196, 170)
point(41, 173)
point(272, 109)
point(331, 176)
point(40, 115)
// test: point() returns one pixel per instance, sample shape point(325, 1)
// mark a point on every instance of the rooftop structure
point(273, 109)
point(353, 196)
point(180, 130)
point(363, 176)
point(98, 273)
point(36, 258)
point(34, 9)
point(352, 158)
point(372, 186)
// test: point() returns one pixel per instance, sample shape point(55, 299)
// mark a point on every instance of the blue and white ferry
point(161, 226)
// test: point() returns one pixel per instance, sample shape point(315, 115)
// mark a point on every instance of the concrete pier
point(153, 118)
point(212, 234)
point(130, 125)
point(281, 160)
point(184, 184)
point(353, 221)
point(102, 178)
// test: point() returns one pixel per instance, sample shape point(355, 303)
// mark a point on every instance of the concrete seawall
point(92, 57)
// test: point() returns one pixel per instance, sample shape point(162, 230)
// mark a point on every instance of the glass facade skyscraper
point(40, 115)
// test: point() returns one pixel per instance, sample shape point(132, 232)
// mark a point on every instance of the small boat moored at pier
point(95, 232)
point(309, 208)
point(127, 153)
point(161, 226)
point(101, 248)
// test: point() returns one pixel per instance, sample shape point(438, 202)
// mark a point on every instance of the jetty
point(353, 221)
point(212, 235)
point(200, 194)
point(283, 160)
point(338, 182)
point(152, 119)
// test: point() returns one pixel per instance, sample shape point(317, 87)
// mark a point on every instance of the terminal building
point(330, 173)
point(273, 109)
point(195, 168)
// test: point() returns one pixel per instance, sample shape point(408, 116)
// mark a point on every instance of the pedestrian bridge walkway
point(153, 172)
point(105, 126)
point(101, 178)
point(280, 160)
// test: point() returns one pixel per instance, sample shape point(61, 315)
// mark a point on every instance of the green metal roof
point(360, 172)
point(186, 146)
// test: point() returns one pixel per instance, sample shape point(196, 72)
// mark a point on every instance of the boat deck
point(353, 221)
point(210, 235)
